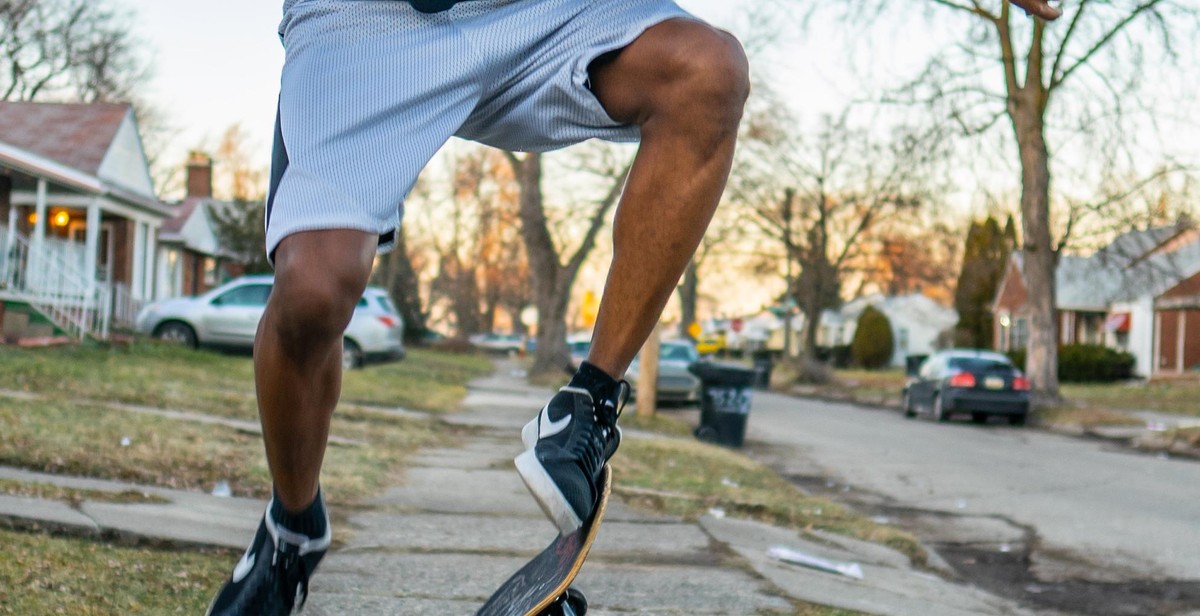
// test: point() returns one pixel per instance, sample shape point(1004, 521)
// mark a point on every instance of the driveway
point(1056, 522)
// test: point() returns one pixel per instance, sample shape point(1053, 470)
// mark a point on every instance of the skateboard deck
point(542, 583)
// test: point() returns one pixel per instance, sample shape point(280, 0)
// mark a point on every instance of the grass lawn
point(688, 478)
point(60, 434)
point(1181, 397)
point(172, 377)
point(9, 487)
point(43, 575)
point(871, 385)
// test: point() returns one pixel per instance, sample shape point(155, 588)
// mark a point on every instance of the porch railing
point(55, 287)
point(125, 307)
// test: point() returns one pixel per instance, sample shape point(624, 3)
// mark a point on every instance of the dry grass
point(73, 495)
point(61, 434)
point(1083, 417)
point(1180, 397)
point(43, 575)
point(688, 478)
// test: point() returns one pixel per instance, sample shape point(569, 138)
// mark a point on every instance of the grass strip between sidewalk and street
point(41, 575)
point(48, 491)
point(688, 478)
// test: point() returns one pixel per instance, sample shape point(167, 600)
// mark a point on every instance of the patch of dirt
point(1002, 565)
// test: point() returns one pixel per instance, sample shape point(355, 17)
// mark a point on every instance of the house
point(191, 260)
point(1139, 294)
point(917, 323)
point(79, 219)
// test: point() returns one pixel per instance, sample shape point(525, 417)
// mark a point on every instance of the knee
point(315, 299)
point(713, 75)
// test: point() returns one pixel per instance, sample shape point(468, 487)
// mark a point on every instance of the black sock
point(312, 522)
point(596, 381)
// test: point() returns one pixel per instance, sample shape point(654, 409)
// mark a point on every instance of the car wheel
point(938, 411)
point(352, 356)
point(1016, 420)
point(177, 332)
point(908, 407)
point(979, 418)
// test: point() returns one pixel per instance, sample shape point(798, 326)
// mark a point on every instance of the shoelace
point(591, 451)
point(292, 573)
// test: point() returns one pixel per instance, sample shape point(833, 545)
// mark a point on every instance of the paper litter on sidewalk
point(788, 555)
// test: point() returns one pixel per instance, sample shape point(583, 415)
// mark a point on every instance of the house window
point(1020, 334)
point(902, 339)
point(210, 272)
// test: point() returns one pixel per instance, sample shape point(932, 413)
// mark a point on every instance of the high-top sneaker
point(568, 443)
point(272, 577)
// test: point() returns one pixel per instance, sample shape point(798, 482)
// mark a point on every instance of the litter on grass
point(795, 557)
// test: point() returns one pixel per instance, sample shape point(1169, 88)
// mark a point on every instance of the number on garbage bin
point(730, 399)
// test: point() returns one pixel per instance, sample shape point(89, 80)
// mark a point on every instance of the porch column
point(139, 259)
point(92, 241)
point(151, 253)
point(37, 243)
point(10, 244)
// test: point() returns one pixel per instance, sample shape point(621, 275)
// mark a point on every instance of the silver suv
point(228, 316)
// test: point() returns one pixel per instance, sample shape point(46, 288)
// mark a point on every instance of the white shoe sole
point(546, 493)
point(529, 434)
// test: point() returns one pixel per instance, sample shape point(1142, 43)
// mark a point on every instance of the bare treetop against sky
point(217, 63)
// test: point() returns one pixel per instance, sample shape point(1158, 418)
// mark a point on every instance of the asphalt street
point(1076, 510)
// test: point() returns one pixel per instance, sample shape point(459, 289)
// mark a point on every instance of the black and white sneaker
point(568, 443)
point(271, 579)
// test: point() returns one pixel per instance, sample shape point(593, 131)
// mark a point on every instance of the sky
point(217, 63)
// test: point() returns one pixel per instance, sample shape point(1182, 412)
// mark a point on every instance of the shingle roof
point(75, 135)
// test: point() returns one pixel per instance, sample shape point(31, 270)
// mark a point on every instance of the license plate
point(994, 382)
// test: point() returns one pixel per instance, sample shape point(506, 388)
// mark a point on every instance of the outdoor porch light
point(61, 218)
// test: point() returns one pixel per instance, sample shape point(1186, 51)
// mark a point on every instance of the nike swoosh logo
point(244, 566)
point(550, 428)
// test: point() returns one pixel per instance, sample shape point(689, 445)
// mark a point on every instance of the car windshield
point(677, 352)
point(979, 364)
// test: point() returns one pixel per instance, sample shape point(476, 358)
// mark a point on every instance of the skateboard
point(543, 586)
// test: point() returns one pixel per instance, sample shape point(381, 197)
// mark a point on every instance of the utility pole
point(647, 393)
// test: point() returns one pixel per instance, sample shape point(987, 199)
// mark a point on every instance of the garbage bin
point(763, 364)
point(724, 401)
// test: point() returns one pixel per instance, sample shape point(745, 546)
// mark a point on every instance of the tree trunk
point(688, 292)
point(1041, 259)
point(550, 290)
point(400, 279)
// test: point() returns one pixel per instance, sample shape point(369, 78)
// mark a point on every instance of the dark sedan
point(981, 383)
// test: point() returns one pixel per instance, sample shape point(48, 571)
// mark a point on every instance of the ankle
point(311, 521)
point(597, 382)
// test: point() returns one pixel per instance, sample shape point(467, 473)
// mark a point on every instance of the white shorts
point(372, 88)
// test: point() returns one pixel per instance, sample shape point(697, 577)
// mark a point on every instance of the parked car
point(228, 316)
point(981, 383)
point(579, 347)
point(711, 345)
point(499, 343)
point(675, 383)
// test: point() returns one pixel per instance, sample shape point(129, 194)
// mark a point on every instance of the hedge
point(1087, 363)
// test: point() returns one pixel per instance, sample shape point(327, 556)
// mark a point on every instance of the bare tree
point(67, 49)
point(481, 261)
point(822, 199)
point(1012, 69)
point(551, 274)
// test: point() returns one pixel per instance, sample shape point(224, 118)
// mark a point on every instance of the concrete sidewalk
point(462, 522)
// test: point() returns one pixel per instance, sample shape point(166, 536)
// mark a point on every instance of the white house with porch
point(78, 218)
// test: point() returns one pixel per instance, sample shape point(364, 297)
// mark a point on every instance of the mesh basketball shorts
point(372, 88)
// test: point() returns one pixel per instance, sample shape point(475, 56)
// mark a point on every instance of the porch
point(73, 248)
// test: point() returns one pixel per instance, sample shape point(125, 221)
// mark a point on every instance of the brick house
point(1140, 294)
point(79, 219)
point(191, 260)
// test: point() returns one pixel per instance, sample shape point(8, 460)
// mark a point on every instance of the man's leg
point(684, 83)
point(319, 278)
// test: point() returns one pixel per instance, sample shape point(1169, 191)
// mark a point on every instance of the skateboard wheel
point(571, 603)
